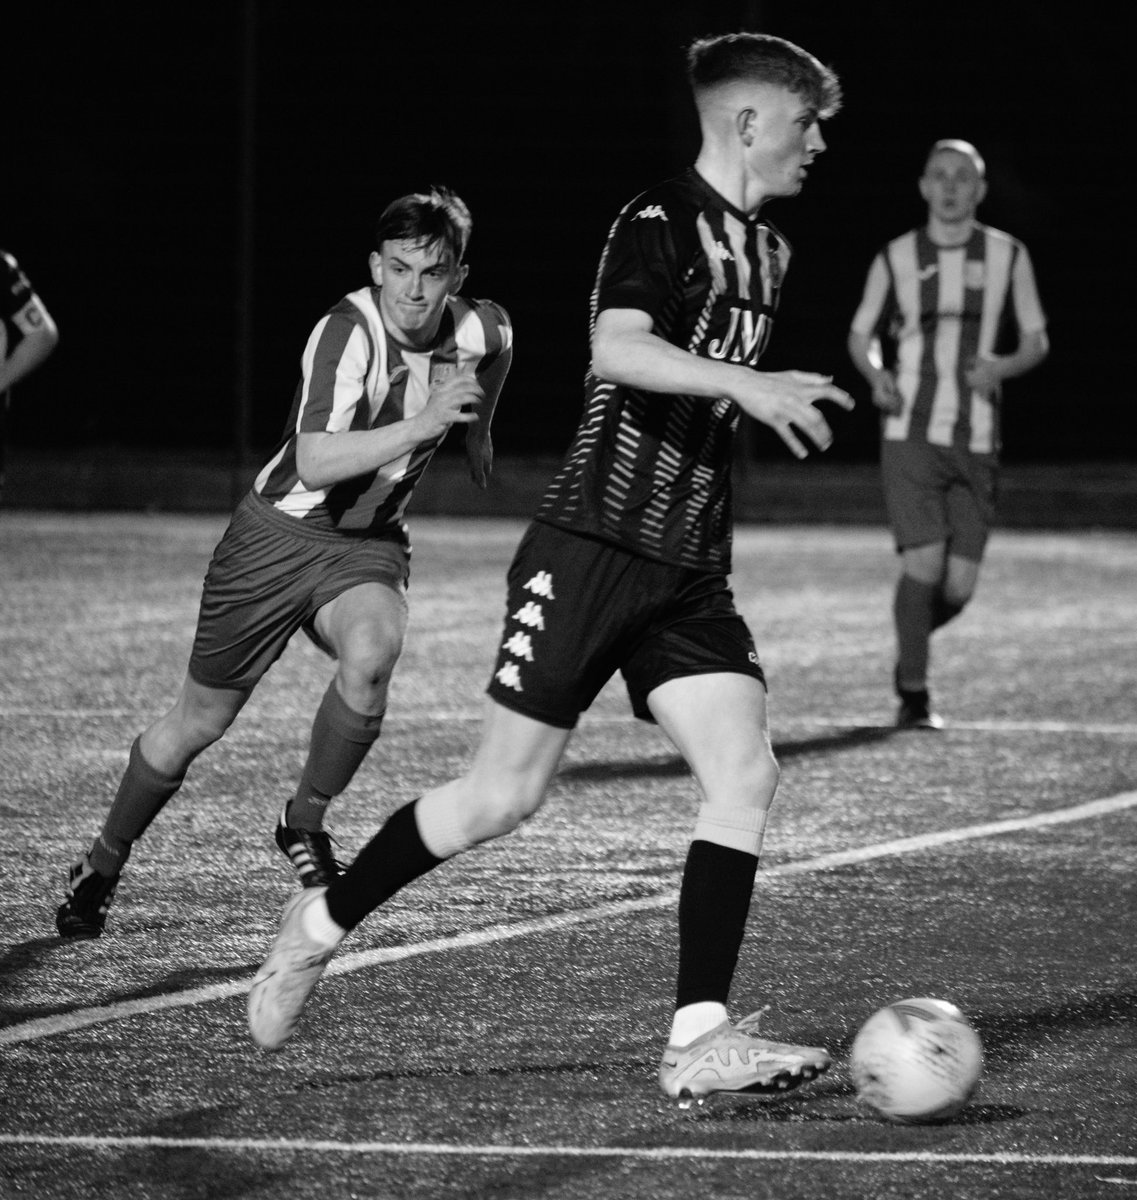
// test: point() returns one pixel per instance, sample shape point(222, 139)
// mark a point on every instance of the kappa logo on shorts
point(530, 614)
point(541, 585)
point(520, 645)
point(509, 675)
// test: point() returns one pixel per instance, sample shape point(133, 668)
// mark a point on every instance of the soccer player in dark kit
point(625, 566)
point(320, 543)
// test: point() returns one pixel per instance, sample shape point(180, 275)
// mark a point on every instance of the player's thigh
point(971, 505)
point(719, 723)
point(914, 493)
point(516, 759)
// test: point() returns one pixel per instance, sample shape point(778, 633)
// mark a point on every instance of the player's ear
point(459, 279)
point(375, 262)
point(980, 192)
point(923, 185)
point(743, 122)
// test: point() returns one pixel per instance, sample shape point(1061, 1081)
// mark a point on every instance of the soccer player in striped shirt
point(950, 310)
point(319, 544)
point(626, 566)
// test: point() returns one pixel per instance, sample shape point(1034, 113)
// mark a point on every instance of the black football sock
point(341, 738)
point(714, 901)
point(944, 611)
point(912, 609)
point(393, 858)
point(142, 793)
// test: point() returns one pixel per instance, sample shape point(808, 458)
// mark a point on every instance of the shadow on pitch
point(673, 765)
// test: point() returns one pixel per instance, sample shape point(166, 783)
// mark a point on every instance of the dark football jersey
point(651, 471)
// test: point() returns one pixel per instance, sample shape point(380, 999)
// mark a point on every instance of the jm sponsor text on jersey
point(745, 338)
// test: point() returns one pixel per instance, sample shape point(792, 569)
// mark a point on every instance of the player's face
point(414, 281)
point(952, 186)
point(785, 137)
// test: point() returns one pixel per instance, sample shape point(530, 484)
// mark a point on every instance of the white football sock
point(693, 1020)
point(317, 923)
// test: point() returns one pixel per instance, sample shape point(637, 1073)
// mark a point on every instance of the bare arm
point(479, 444)
point(324, 459)
point(40, 339)
point(987, 372)
point(864, 350)
point(626, 351)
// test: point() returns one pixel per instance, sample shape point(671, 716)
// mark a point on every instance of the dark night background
point(125, 191)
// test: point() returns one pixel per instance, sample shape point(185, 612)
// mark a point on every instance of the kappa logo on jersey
point(530, 614)
point(541, 585)
point(744, 340)
point(509, 675)
point(520, 645)
point(652, 212)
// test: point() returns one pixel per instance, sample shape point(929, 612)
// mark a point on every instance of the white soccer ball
point(916, 1061)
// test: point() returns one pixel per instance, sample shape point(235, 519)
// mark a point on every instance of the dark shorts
point(268, 578)
point(939, 494)
point(578, 610)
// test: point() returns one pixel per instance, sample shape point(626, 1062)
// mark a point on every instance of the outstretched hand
point(786, 401)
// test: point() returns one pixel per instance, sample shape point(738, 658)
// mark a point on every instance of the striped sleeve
point(333, 374)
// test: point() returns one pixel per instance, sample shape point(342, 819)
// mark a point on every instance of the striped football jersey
point(355, 377)
point(648, 471)
point(935, 309)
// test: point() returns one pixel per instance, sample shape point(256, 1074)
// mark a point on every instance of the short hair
point(426, 218)
point(762, 58)
point(960, 147)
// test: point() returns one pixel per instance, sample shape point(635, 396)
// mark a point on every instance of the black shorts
point(269, 577)
point(578, 610)
point(938, 494)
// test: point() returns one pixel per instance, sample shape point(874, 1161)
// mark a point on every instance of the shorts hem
point(519, 707)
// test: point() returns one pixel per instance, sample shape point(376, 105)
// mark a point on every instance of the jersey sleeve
point(1028, 306)
point(640, 268)
point(333, 374)
point(497, 329)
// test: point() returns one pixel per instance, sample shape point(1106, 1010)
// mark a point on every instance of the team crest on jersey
point(441, 371)
point(974, 275)
point(722, 253)
point(653, 211)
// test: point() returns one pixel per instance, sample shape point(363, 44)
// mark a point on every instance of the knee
point(500, 811)
point(366, 664)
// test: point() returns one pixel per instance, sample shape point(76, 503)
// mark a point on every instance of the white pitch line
point(81, 1018)
point(651, 1153)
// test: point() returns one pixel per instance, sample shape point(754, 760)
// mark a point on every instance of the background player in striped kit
point(319, 543)
point(28, 335)
point(950, 310)
point(626, 566)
